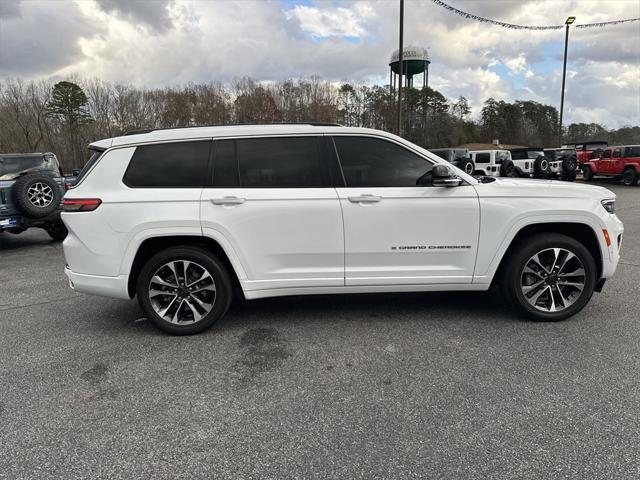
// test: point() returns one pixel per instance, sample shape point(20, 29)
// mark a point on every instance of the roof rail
point(313, 124)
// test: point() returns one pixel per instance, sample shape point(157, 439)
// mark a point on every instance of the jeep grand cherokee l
point(179, 217)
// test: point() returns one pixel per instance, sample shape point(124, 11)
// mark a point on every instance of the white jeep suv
point(179, 217)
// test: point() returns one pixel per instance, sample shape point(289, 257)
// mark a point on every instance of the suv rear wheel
point(550, 277)
point(184, 290)
point(587, 173)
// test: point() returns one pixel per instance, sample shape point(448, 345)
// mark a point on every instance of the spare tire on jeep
point(37, 195)
point(541, 165)
point(466, 165)
point(569, 164)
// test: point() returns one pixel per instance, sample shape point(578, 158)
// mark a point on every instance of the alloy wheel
point(40, 194)
point(182, 292)
point(553, 279)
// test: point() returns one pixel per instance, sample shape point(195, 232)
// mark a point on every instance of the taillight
point(526, 165)
point(68, 186)
point(80, 204)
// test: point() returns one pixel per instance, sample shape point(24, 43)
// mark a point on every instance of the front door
point(400, 230)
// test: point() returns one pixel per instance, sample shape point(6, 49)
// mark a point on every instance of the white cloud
point(333, 21)
point(178, 41)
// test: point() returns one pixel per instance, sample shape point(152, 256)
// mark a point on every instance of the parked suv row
point(180, 217)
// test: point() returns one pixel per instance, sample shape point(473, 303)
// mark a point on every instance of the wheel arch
point(151, 246)
point(581, 232)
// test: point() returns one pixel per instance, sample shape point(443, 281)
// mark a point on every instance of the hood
point(520, 187)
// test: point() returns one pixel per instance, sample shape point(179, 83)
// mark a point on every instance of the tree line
point(66, 116)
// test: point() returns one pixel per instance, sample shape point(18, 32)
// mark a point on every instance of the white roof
point(192, 133)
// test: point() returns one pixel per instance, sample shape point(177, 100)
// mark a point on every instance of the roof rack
point(313, 124)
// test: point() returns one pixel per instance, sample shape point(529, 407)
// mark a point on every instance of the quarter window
point(483, 157)
point(284, 162)
point(169, 165)
point(632, 152)
point(372, 162)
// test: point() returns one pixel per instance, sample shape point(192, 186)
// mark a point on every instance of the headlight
point(609, 205)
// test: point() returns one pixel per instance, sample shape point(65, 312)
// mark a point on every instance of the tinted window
point(372, 162)
point(225, 167)
point(632, 151)
point(169, 165)
point(94, 155)
point(12, 166)
point(606, 154)
point(483, 157)
point(291, 162)
point(616, 153)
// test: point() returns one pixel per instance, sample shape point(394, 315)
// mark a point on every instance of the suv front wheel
point(550, 277)
point(184, 290)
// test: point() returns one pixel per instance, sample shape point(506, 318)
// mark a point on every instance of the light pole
point(568, 22)
point(401, 60)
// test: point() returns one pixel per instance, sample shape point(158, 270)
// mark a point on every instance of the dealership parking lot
point(438, 385)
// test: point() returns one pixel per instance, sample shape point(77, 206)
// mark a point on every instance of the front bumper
point(116, 287)
point(615, 229)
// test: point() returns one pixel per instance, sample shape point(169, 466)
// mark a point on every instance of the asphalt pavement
point(437, 385)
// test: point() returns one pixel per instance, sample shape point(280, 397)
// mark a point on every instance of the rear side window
point(283, 162)
point(169, 165)
point(606, 154)
point(632, 152)
point(373, 162)
point(483, 157)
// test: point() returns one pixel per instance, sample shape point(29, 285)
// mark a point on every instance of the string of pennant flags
point(471, 16)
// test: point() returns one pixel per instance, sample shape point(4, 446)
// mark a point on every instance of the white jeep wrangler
point(179, 217)
point(499, 163)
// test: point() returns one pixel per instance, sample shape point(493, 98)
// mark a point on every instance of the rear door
point(399, 230)
point(272, 199)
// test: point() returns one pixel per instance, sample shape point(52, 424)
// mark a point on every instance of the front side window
point(283, 162)
point(373, 162)
point(606, 154)
point(169, 165)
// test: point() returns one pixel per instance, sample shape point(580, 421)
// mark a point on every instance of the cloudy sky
point(168, 42)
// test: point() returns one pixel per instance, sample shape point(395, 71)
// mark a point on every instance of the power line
point(513, 26)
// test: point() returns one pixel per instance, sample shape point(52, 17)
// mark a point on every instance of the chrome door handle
point(228, 201)
point(365, 199)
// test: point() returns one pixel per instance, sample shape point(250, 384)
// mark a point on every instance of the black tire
point(541, 166)
point(56, 230)
point(507, 169)
point(466, 165)
point(569, 177)
point(513, 276)
point(569, 165)
point(587, 173)
point(221, 298)
point(37, 195)
point(630, 177)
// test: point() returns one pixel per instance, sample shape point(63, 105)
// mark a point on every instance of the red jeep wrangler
point(621, 161)
point(586, 151)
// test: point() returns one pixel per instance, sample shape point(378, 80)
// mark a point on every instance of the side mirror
point(442, 176)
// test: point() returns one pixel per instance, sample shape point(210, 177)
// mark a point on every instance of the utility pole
point(568, 22)
point(400, 69)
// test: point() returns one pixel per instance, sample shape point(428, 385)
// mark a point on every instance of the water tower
point(415, 61)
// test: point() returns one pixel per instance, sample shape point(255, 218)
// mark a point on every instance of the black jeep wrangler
point(31, 189)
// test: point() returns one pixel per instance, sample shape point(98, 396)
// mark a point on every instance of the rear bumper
point(116, 287)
